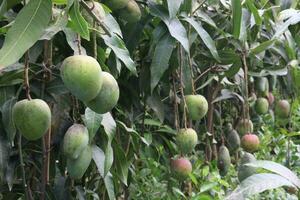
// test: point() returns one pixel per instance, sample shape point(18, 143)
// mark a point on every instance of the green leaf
point(173, 7)
point(59, 23)
point(120, 50)
point(92, 121)
point(6, 5)
point(175, 27)
point(256, 184)
point(294, 19)
point(7, 119)
point(99, 159)
point(4, 150)
point(278, 169)
point(155, 103)
point(71, 37)
point(78, 23)
point(122, 163)
point(254, 11)
point(5, 94)
point(109, 125)
point(26, 30)
point(236, 17)
point(208, 41)
point(160, 60)
point(262, 47)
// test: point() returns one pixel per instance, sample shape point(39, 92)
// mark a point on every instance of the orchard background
point(157, 99)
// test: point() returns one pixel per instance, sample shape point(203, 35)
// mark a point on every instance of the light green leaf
point(92, 121)
point(161, 57)
point(262, 47)
point(236, 17)
point(278, 169)
point(78, 23)
point(208, 41)
point(254, 11)
point(173, 7)
point(7, 119)
point(26, 30)
point(256, 184)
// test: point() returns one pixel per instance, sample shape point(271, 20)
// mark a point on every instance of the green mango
point(82, 76)
point(243, 170)
point(197, 106)
point(108, 96)
point(181, 167)
point(233, 140)
point(116, 4)
point(77, 167)
point(186, 140)
point(261, 105)
point(131, 13)
point(262, 86)
point(32, 118)
point(224, 160)
point(75, 140)
point(244, 126)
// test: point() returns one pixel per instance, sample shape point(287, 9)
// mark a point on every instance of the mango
point(186, 140)
point(197, 106)
point(75, 140)
point(77, 167)
point(262, 86)
point(131, 13)
point(116, 4)
point(243, 170)
point(181, 167)
point(282, 109)
point(233, 140)
point(108, 96)
point(32, 118)
point(250, 142)
point(224, 160)
point(82, 76)
point(261, 106)
point(244, 126)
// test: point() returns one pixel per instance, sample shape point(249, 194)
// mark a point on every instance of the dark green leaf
point(92, 121)
point(236, 17)
point(7, 119)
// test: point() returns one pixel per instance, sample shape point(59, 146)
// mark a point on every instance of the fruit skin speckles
point(186, 140)
point(197, 106)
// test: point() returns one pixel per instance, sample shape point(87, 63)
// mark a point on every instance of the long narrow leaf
point(236, 17)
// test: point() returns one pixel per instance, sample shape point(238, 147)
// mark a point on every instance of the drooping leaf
point(278, 169)
point(173, 7)
point(254, 11)
point(208, 41)
point(175, 27)
point(110, 188)
point(92, 121)
point(7, 119)
point(26, 30)
point(256, 184)
point(120, 50)
point(72, 40)
point(160, 60)
point(156, 104)
point(236, 17)
point(78, 23)
point(262, 47)
point(6, 93)
point(294, 19)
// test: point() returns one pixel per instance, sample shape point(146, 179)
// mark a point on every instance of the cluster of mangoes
point(187, 138)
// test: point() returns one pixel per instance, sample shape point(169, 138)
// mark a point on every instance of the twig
point(181, 87)
point(95, 41)
point(176, 113)
point(95, 17)
point(26, 78)
point(246, 84)
point(199, 6)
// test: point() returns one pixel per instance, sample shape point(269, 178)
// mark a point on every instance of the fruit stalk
point(246, 84)
point(26, 78)
point(176, 116)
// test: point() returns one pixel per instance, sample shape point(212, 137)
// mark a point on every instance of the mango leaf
point(7, 119)
point(173, 7)
point(236, 17)
point(99, 159)
point(5, 94)
point(120, 50)
point(6, 5)
point(59, 23)
point(294, 19)
point(109, 125)
point(161, 57)
point(262, 47)
point(254, 11)
point(278, 169)
point(175, 27)
point(256, 184)
point(26, 30)
point(78, 23)
point(4, 149)
point(208, 41)
point(121, 163)
point(71, 37)
point(155, 103)
point(92, 121)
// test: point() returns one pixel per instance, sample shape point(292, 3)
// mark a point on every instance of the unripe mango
point(186, 140)
point(32, 118)
point(244, 126)
point(282, 109)
point(262, 86)
point(131, 13)
point(250, 142)
point(224, 160)
point(233, 140)
point(246, 171)
point(181, 167)
point(75, 140)
point(108, 96)
point(77, 167)
point(261, 106)
point(116, 4)
point(197, 106)
point(82, 76)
